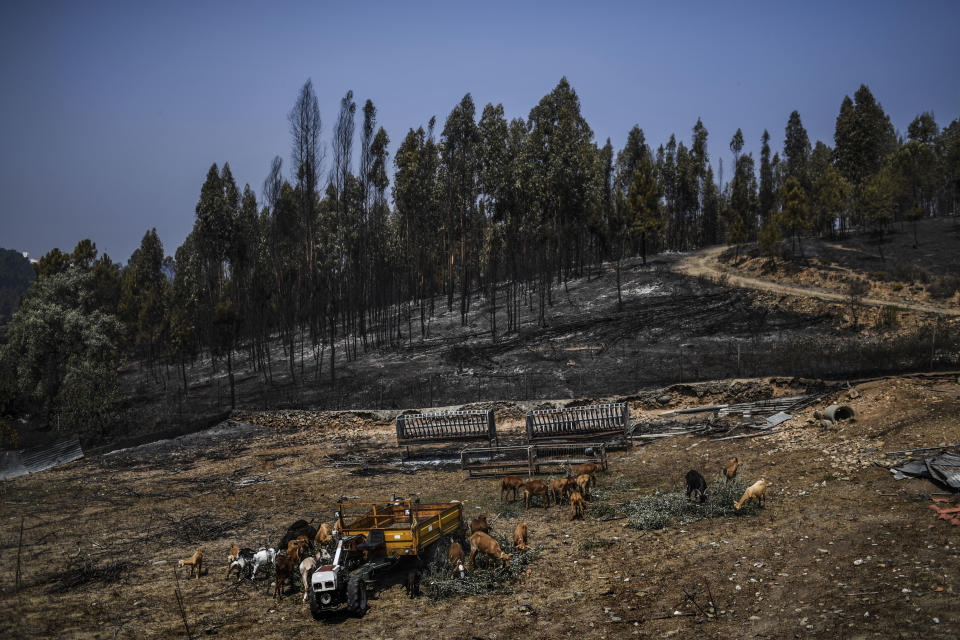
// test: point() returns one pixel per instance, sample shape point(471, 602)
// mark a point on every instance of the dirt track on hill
point(706, 263)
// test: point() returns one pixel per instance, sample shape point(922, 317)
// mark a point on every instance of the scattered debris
point(943, 469)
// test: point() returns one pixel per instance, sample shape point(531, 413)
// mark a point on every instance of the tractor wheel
point(315, 609)
point(357, 595)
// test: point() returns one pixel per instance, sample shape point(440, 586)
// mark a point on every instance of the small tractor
point(375, 537)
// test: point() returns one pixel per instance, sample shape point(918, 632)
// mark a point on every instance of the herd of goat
point(304, 548)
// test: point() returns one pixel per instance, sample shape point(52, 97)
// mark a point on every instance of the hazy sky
point(111, 113)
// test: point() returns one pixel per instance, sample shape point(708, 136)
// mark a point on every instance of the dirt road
point(706, 263)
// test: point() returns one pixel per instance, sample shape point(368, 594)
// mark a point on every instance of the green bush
point(438, 582)
point(660, 509)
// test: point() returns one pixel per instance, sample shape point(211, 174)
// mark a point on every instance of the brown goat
point(586, 467)
point(195, 562)
point(302, 543)
point(577, 505)
point(510, 484)
point(756, 491)
point(324, 535)
point(536, 488)
point(233, 553)
point(520, 537)
point(479, 524)
point(456, 557)
point(730, 469)
point(481, 542)
point(286, 565)
point(584, 482)
point(560, 488)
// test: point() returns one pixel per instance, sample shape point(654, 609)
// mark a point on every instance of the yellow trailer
point(408, 527)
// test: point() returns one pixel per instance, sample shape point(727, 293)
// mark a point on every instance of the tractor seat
point(374, 541)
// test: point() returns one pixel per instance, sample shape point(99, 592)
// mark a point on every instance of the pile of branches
point(86, 572)
point(199, 528)
point(438, 582)
point(660, 508)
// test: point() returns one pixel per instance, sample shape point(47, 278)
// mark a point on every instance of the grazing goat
point(302, 541)
point(536, 488)
point(413, 583)
point(324, 535)
point(307, 566)
point(696, 484)
point(456, 558)
point(285, 566)
point(298, 528)
point(756, 491)
point(520, 537)
point(195, 563)
point(481, 542)
point(261, 558)
point(242, 562)
point(730, 469)
point(561, 488)
point(586, 467)
point(479, 524)
point(584, 482)
point(510, 483)
point(577, 505)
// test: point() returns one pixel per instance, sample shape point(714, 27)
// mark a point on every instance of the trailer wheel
point(315, 610)
point(357, 595)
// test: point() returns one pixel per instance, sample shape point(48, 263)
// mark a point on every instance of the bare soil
point(841, 550)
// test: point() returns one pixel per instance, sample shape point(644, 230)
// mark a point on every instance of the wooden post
point(19, 549)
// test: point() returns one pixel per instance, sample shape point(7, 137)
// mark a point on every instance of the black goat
point(696, 484)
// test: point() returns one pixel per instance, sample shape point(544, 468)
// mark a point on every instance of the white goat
point(261, 558)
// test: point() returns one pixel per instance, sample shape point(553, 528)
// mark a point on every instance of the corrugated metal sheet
point(34, 459)
point(944, 468)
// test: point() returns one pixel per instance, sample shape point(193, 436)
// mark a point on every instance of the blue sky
point(112, 112)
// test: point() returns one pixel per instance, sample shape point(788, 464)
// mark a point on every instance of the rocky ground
point(841, 549)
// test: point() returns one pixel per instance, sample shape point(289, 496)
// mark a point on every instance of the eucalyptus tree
point(144, 299)
point(414, 196)
point(766, 198)
point(863, 137)
point(495, 197)
point(460, 163)
point(796, 151)
point(795, 217)
point(561, 149)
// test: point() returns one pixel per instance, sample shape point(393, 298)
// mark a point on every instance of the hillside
point(675, 325)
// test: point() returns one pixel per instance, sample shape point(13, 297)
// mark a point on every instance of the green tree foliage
point(879, 198)
point(796, 151)
point(795, 217)
point(863, 137)
point(742, 202)
point(144, 298)
point(62, 348)
point(769, 238)
point(766, 198)
point(923, 129)
point(831, 194)
point(16, 274)
point(644, 203)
